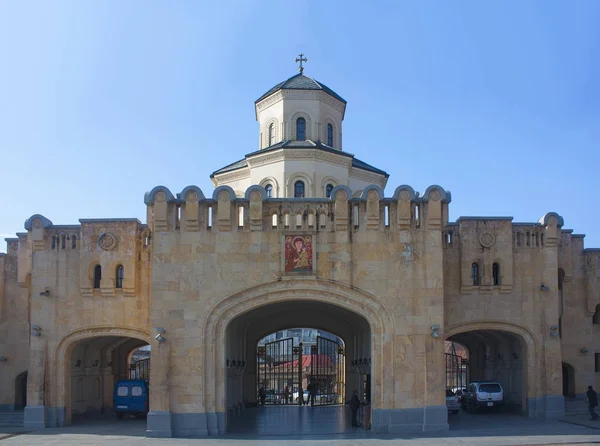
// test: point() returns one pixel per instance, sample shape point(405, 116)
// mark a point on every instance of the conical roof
point(301, 82)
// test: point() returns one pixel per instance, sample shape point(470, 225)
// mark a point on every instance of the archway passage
point(21, 391)
point(498, 356)
point(300, 366)
point(93, 368)
point(335, 355)
point(568, 380)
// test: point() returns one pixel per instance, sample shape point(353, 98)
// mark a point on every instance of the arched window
point(329, 135)
point(496, 274)
point(300, 129)
point(328, 190)
point(475, 273)
point(269, 190)
point(299, 189)
point(97, 276)
point(120, 274)
point(271, 134)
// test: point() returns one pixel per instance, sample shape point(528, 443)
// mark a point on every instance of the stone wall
point(196, 266)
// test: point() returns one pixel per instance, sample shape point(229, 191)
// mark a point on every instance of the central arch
point(307, 290)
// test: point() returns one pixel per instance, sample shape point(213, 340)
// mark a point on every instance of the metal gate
point(327, 372)
point(279, 372)
point(457, 371)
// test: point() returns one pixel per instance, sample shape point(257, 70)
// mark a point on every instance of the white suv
point(483, 394)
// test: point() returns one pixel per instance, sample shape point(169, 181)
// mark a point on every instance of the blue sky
point(498, 102)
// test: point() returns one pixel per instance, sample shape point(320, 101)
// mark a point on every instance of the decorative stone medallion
point(223, 196)
point(487, 239)
point(404, 195)
point(191, 197)
point(434, 195)
point(372, 195)
point(255, 196)
point(107, 241)
point(160, 197)
point(342, 195)
point(37, 223)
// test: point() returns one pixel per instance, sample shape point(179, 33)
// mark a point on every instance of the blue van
point(130, 396)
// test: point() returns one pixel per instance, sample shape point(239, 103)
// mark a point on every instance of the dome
point(301, 82)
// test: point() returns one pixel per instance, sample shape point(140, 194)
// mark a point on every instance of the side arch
point(531, 368)
point(379, 318)
point(517, 329)
point(62, 354)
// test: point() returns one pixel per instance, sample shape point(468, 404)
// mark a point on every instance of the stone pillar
point(35, 411)
point(108, 383)
point(553, 401)
point(159, 417)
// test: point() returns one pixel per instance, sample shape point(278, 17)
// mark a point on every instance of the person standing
point(592, 398)
point(354, 406)
point(286, 394)
point(313, 392)
point(262, 393)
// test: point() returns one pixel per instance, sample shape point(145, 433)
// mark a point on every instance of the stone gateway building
point(297, 233)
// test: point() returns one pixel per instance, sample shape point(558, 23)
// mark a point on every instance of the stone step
point(11, 419)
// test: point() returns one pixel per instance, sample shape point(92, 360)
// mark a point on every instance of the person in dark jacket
point(354, 406)
point(312, 392)
point(262, 393)
point(592, 398)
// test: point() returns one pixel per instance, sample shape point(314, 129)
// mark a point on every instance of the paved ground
point(465, 429)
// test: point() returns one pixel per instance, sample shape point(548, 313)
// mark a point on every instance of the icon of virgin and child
point(298, 253)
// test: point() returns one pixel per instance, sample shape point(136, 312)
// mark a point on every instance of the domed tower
point(300, 145)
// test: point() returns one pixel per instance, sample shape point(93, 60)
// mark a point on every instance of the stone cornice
point(300, 154)
point(227, 177)
point(369, 177)
point(316, 95)
point(268, 101)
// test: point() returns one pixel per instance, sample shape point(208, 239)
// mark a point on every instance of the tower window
point(271, 134)
point(300, 129)
point(269, 190)
point(475, 273)
point(119, 276)
point(299, 189)
point(329, 135)
point(97, 276)
point(496, 274)
point(328, 190)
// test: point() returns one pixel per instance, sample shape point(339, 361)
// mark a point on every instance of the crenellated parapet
point(103, 253)
point(491, 249)
point(191, 211)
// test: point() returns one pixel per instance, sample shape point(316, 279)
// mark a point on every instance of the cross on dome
point(301, 59)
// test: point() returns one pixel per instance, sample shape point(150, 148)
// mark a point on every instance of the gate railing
point(284, 374)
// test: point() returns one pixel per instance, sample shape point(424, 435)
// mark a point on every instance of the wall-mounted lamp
point(435, 331)
point(36, 330)
point(46, 292)
point(544, 287)
point(583, 350)
point(3, 359)
point(159, 337)
point(554, 331)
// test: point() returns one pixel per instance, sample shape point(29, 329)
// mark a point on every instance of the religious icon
point(298, 253)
